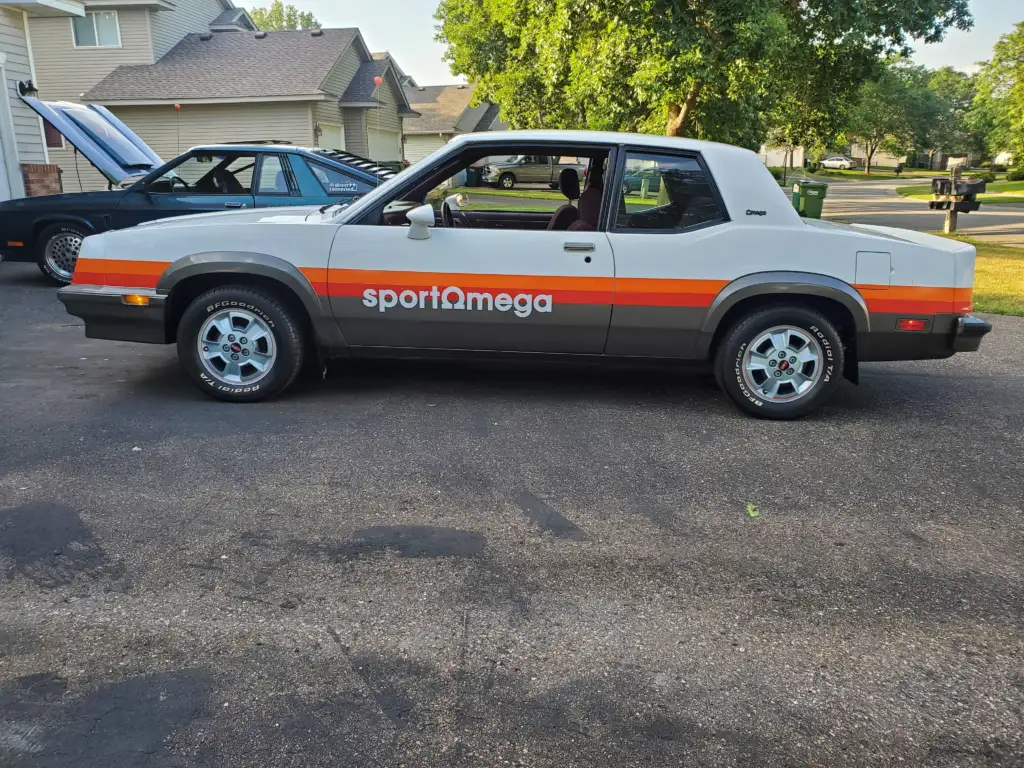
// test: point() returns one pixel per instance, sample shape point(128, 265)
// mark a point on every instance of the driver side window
point(208, 174)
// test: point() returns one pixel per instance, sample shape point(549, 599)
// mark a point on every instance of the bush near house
point(1015, 175)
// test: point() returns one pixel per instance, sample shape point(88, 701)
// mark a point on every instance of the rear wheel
point(57, 251)
point(507, 181)
point(240, 344)
point(780, 362)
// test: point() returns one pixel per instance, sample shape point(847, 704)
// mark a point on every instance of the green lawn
point(1000, 192)
point(998, 277)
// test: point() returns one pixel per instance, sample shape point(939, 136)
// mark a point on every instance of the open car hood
point(110, 145)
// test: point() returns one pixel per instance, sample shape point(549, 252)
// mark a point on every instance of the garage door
point(384, 145)
point(332, 137)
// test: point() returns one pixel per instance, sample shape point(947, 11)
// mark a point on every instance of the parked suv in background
point(530, 169)
point(840, 162)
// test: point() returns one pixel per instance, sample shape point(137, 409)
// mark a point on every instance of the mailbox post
point(955, 196)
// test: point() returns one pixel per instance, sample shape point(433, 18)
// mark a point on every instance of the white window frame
point(95, 30)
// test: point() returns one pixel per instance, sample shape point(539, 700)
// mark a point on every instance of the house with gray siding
point(445, 111)
point(24, 161)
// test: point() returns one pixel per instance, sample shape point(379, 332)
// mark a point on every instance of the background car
point(530, 169)
point(633, 182)
point(49, 229)
point(840, 162)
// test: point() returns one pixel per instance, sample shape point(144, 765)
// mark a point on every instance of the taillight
point(911, 325)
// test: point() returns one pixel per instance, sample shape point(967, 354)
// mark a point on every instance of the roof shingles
point(440, 107)
point(230, 65)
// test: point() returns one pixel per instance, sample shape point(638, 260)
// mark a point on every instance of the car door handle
point(234, 205)
point(578, 247)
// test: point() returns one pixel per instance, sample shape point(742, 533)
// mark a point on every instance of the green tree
point(894, 111)
point(280, 16)
point(999, 103)
point(954, 131)
point(705, 68)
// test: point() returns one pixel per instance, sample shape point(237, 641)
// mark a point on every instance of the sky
point(406, 29)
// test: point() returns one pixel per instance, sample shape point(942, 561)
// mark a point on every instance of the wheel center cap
point(236, 348)
point(783, 365)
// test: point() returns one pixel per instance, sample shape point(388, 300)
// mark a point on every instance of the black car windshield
point(104, 134)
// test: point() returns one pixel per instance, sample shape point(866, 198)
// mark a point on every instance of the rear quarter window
point(335, 182)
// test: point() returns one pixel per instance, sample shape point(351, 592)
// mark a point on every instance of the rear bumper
point(968, 333)
point(107, 316)
point(946, 334)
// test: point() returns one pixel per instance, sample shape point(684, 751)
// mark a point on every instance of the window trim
point(95, 31)
point(620, 172)
point(286, 167)
point(310, 162)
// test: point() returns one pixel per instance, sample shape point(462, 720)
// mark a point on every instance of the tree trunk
point(931, 159)
point(678, 114)
point(871, 153)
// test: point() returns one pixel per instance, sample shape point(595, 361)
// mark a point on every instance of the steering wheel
point(450, 218)
point(178, 180)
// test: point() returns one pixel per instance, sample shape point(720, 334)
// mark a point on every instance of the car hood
point(290, 215)
point(64, 201)
point(110, 145)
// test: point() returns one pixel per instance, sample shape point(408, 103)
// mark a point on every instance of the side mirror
point(420, 221)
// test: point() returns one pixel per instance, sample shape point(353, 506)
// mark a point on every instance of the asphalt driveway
point(488, 565)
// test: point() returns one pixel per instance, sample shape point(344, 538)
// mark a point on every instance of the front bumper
point(968, 332)
point(107, 316)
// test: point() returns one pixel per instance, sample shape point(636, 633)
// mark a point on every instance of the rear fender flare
point(242, 263)
point(781, 284)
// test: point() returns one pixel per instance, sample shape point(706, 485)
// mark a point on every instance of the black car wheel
point(240, 344)
point(780, 362)
point(57, 251)
point(625, 188)
point(507, 181)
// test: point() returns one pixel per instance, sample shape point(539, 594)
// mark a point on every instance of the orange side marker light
point(135, 300)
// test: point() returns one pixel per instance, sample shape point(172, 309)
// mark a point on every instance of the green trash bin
point(474, 176)
point(809, 197)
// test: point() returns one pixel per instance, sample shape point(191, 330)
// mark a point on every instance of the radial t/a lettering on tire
point(780, 362)
point(240, 344)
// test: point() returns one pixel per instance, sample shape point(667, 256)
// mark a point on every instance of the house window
point(97, 29)
point(54, 138)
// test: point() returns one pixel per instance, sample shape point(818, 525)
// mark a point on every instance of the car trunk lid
point(110, 145)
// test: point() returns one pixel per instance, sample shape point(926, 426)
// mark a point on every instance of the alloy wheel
point(236, 347)
point(782, 364)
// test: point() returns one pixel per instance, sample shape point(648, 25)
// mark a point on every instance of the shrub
point(777, 173)
point(1017, 174)
point(997, 168)
point(814, 167)
point(988, 178)
point(985, 164)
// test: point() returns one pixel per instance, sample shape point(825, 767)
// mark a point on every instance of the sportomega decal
point(453, 297)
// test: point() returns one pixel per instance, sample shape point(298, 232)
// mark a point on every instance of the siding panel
point(27, 128)
point(355, 131)
point(169, 27)
point(66, 72)
point(334, 84)
point(387, 113)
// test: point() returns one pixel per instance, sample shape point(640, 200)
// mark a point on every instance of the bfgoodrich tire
point(57, 250)
point(780, 362)
point(240, 344)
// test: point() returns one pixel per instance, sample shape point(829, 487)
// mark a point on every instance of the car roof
point(598, 137)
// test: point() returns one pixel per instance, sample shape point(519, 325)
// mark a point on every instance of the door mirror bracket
point(420, 221)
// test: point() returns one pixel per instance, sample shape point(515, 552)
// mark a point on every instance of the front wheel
point(240, 344)
point(507, 181)
point(57, 251)
point(780, 362)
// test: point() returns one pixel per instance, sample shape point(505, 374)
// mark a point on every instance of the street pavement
point(876, 202)
point(440, 564)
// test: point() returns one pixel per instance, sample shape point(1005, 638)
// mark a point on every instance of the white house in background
point(444, 113)
point(777, 157)
point(1003, 158)
point(24, 160)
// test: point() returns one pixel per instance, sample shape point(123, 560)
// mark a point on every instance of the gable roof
point(362, 89)
point(440, 107)
point(233, 18)
point(233, 65)
point(403, 78)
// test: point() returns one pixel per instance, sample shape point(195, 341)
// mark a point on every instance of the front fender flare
point(244, 263)
point(781, 284)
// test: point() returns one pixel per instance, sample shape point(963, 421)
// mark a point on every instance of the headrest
point(569, 183)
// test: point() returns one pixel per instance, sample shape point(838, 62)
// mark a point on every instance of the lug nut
point(782, 355)
point(778, 374)
point(243, 340)
point(790, 371)
point(245, 352)
point(231, 337)
point(234, 357)
point(772, 363)
point(792, 360)
point(226, 348)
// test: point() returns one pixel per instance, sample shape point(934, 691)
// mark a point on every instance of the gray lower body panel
point(106, 315)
